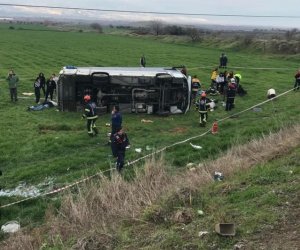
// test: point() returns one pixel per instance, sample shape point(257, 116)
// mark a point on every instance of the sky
point(220, 7)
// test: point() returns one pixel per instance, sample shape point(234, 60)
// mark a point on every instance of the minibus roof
point(122, 71)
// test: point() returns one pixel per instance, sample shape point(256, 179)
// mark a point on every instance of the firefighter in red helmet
point(203, 108)
point(90, 115)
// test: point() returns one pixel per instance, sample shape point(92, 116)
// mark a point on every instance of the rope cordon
point(145, 156)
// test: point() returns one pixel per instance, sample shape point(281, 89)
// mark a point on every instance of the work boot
point(96, 131)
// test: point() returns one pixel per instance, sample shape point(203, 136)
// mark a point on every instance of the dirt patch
point(284, 234)
point(57, 127)
point(179, 130)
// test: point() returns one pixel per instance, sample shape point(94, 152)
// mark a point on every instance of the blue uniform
point(119, 143)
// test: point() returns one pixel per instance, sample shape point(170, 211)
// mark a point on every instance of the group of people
point(48, 87)
point(118, 138)
point(222, 83)
point(226, 84)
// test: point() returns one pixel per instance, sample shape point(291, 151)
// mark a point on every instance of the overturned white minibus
point(136, 89)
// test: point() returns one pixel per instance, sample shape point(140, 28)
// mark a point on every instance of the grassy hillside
point(158, 210)
point(38, 146)
point(262, 203)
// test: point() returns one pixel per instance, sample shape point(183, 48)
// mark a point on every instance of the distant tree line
point(264, 40)
point(157, 28)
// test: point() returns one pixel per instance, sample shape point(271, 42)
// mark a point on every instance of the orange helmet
point(203, 94)
point(87, 98)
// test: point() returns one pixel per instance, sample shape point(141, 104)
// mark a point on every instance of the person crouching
point(271, 93)
point(90, 115)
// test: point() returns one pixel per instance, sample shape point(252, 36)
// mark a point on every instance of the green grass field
point(261, 202)
point(50, 144)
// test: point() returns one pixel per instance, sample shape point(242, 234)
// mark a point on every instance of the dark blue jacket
point(116, 120)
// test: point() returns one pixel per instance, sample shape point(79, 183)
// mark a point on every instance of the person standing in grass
point(143, 61)
point(50, 87)
point(116, 120)
point(37, 90)
point(90, 115)
point(223, 61)
point(213, 77)
point(271, 93)
point(297, 81)
point(119, 144)
point(13, 81)
point(203, 109)
point(230, 97)
point(195, 87)
point(42, 82)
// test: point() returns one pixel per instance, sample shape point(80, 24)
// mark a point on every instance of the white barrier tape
point(242, 67)
point(261, 103)
point(143, 157)
point(54, 191)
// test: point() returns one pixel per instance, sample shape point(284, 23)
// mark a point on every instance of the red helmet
point(87, 98)
point(203, 94)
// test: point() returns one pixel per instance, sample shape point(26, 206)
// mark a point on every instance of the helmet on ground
point(87, 98)
point(203, 94)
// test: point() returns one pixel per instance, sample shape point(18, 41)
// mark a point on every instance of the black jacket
point(51, 84)
point(119, 143)
point(203, 104)
point(89, 111)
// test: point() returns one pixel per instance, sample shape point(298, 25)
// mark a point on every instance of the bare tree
point(157, 27)
point(248, 39)
point(290, 34)
point(97, 26)
point(194, 34)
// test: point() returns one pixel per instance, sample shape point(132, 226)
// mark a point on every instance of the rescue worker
point(238, 78)
point(220, 82)
point(230, 97)
point(203, 108)
point(196, 85)
point(119, 144)
point(90, 115)
point(213, 78)
point(116, 121)
point(234, 84)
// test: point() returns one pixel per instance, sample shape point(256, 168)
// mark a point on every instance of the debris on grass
point(195, 146)
point(202, 233)
point(138, 150)
point(218, 176)
point(146, 121)
point(11, 227)
point(225, 229)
